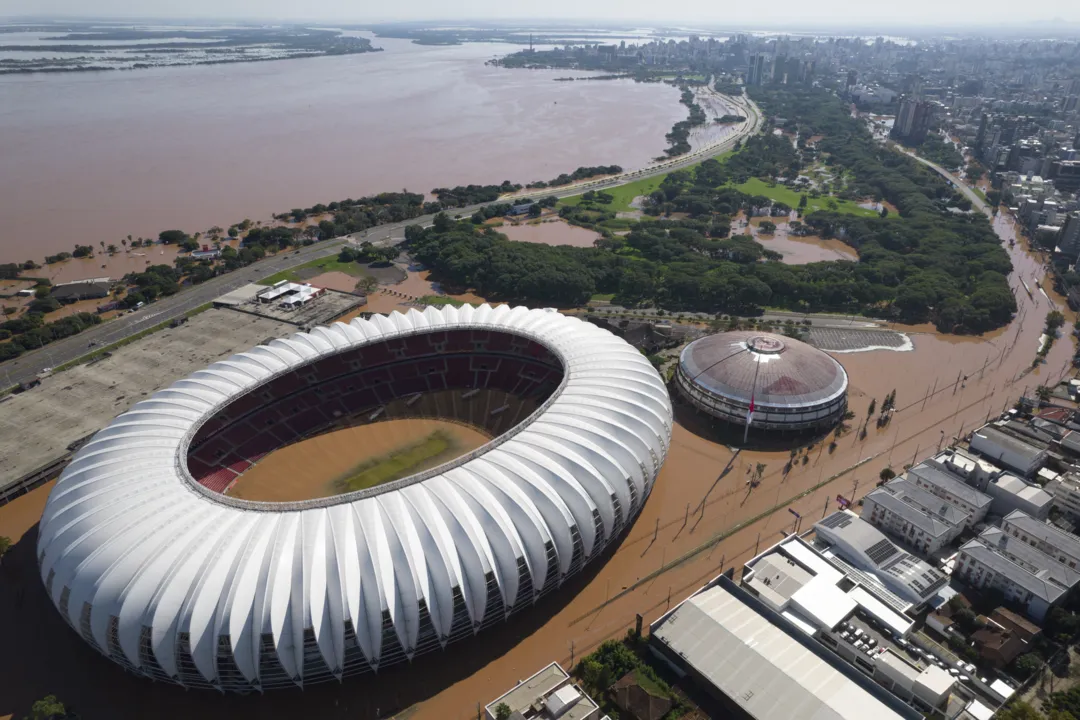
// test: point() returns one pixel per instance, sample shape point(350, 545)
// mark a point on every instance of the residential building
point(1022, 573)
point(912, 120)
point(547, 695)
point(1005, 637)
point(1069, 242)
point(1011, 493)
point(1008, 450)
point(1065, 489)
point(950, 487)
point(852, 541)
point(757, 71)
point(757, 664)
point(1062, 546)
point(916, 517)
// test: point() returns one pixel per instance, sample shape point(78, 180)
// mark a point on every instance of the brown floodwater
point(102, 155)
point(335, 280)
point(687, 528)
point(550, 233)
point(308, 469)
point(797, 250)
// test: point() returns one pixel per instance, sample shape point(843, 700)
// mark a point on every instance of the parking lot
point(854, 339)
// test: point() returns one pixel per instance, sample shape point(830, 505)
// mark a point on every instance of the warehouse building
point(1008, 450)
point(1010, 493)
point(758, 665)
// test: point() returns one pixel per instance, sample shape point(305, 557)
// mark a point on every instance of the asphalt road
point(976, 201)
point(31, 364)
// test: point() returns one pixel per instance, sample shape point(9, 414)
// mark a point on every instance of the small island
point(125, 48)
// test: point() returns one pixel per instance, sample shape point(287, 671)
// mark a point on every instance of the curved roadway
point(29, 365)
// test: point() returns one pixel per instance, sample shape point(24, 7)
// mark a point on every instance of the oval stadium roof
point(178, 584)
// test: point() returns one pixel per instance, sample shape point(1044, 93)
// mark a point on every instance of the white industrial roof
point(936, 680)
point(765, 671)
point(175, 581)
point(823, 602)
point(810, 559)
point(881, 612)
point(1002, 689)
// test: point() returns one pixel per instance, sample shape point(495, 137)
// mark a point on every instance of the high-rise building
point(758, 69)
point(1069, 244)
point(912, 120)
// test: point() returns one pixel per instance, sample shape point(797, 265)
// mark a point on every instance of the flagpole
point(753, 388)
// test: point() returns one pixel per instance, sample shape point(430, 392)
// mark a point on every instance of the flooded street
point(697, 522)
point(102, 155)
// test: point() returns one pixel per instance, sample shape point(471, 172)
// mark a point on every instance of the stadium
point(791, 385)
point(155, 567)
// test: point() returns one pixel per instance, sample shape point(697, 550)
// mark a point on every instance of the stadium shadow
point(43, 656)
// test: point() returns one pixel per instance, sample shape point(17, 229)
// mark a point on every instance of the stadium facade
point(793, 386)
point(158, 570)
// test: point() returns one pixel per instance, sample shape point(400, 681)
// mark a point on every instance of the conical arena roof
point(775, 370)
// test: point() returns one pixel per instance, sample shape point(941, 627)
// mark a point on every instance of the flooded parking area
point(849, 340)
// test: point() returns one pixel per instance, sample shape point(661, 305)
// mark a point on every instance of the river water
point(91, 157)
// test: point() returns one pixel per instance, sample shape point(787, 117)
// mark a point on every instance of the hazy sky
point(773, 13)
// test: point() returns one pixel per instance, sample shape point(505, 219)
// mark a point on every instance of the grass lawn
point(396, 464)
point(602, 297)
point(624, 194)
point(441, 300)
point(323, 265)
point(780, 193)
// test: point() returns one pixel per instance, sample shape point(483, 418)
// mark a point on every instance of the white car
point(954, 672)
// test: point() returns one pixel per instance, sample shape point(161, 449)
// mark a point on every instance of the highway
point(976, 201)
point(29, 365)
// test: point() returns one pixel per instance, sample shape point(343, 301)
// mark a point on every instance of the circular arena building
point(155, 567)
point(793, 386)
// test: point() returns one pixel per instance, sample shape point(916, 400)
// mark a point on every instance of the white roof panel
point(129, 540)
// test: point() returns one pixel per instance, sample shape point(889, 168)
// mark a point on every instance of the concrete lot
point(37, 426)
point(849, 340)
point(330, 305)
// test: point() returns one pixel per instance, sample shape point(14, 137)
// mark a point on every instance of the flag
point(750, 412)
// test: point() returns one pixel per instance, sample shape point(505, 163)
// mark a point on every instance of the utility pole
point(826, 509)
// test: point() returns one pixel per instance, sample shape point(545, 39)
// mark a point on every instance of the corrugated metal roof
point(763, 669)
point(778, 371)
